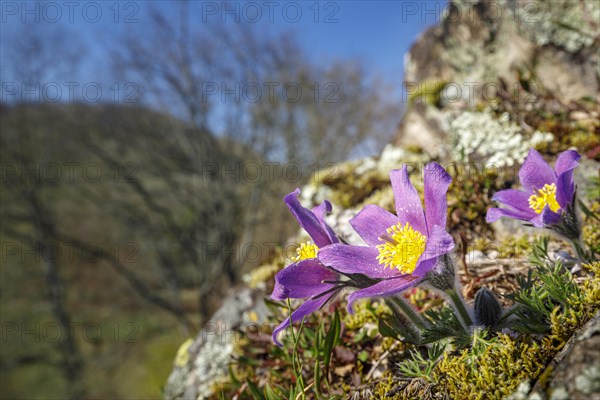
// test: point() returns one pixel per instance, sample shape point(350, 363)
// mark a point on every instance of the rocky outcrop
point(482, 48)
point(202, 362)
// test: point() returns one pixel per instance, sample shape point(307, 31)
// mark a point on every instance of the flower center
point(306, 250)
point(402, 248)
point(542, 197)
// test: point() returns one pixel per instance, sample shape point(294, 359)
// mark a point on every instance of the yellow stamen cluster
point(306, 250)
point(542, 197)
point(402, 248)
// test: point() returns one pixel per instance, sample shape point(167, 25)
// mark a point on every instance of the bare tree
point(235, 84)
point(174, 181)
point(27, 219)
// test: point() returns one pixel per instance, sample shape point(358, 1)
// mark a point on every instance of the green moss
point(349, 188)
point(383, 197)
point(574, 126)
point(512, 247)
point(493, 368)
point(515, 247)
point(263, 274)
point(507, 361)
point(591, 286)
point(392, 388)
point(493, 374)
point(468, 200)
point(366, 312)
point(581, 134)
point(591, 228)
point(424, 299)
point(429, 92)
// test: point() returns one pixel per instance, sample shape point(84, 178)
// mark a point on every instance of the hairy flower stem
point(459, 305)
point(402, 324)
point(410, 312)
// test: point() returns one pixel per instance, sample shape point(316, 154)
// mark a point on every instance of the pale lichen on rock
point(475, 137)
point(202, 364)
point(565, 23)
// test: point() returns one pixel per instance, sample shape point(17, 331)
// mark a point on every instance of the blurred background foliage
point(124, 224)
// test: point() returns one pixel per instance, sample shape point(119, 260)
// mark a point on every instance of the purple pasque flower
point(547, 193)
point(307, 278)
point(403, 248)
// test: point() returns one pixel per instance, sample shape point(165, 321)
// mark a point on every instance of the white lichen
point(366, 165)
point(478, 136)
point(339, 222)
point(211, 365)
point(535, 396)
point(391, 158)
point(589, 381)
point(569, 24)
point(559, 393)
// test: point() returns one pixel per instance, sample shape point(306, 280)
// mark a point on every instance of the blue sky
point(378, 32)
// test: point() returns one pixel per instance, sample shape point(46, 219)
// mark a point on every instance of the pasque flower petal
point(547, 188)
point(424, 266)
point(535, 172)
point(302, 279)
point(439, 242)
point(320, 211)
point(494, 214)
point(307, 220)
point(436, 183)
point(371, 222)
point(549, 217)
point(566, 162)
point(515, 199)
point(408, 203)
point(355, 260)
point(305, 279)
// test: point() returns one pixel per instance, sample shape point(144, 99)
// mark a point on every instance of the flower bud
point(442, 277)
point(488, 310)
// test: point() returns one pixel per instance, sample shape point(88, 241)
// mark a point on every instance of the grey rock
point(462, 61)
point(210, 353)
point(475, 256)
point(424, 126)
point(574, 371)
